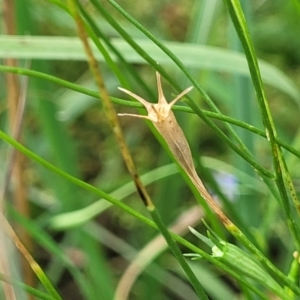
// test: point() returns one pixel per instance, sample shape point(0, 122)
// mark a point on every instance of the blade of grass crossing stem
point(73, 179)
point(134, 104)
point(91, 29)
point(119, 73)
point(128, 68)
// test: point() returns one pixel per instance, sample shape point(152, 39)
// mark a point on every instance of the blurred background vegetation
point(70, 130)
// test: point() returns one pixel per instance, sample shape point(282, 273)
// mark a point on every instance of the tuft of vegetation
point(199, 204)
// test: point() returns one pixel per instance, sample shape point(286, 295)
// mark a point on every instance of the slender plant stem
point(177, 253)
point(109, 109)
point(241, 27)
point(33, 264)
point(135, 104)
point(27, 288)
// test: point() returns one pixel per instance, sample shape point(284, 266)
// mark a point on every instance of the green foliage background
point(83, 243)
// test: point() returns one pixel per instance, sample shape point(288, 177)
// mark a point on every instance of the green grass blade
point(26, 288)
point(198, 57)
point(240, 24)
point(177, 253)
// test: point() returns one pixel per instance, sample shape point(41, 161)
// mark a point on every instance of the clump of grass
point(261, 213)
